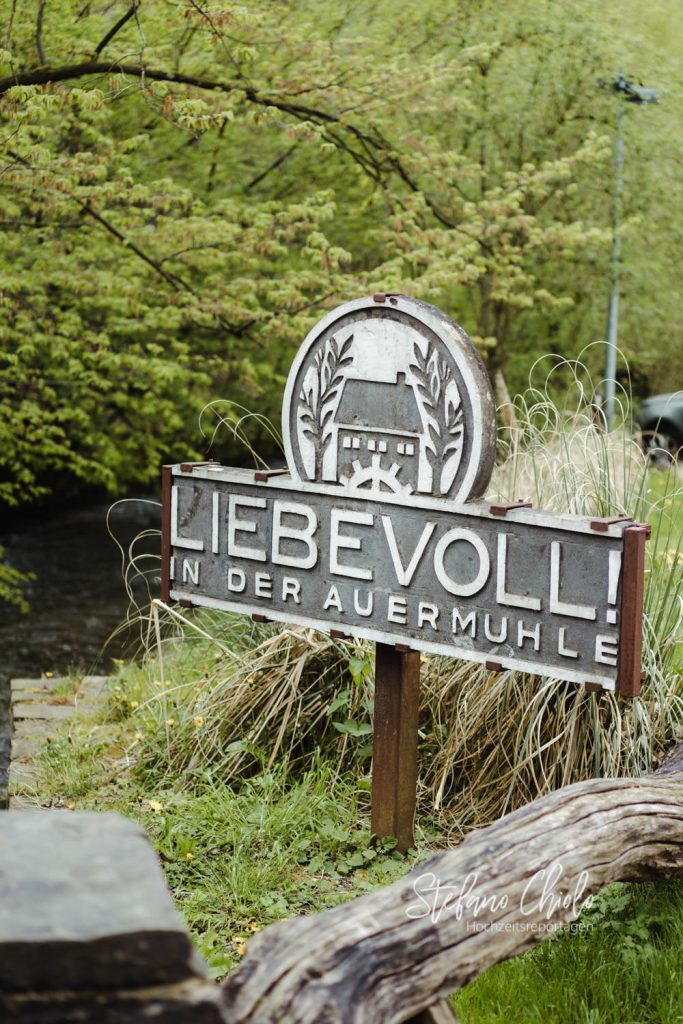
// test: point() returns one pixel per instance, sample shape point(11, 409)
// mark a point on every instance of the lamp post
point(631, 92)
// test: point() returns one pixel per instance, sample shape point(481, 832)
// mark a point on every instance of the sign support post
point(394, 747)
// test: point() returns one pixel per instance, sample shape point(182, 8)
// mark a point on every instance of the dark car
point(660, 419)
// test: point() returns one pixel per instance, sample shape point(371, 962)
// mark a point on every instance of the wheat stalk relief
point(317, 397)
point(444, 413)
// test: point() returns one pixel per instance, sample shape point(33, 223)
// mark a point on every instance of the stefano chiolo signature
point(542, 896)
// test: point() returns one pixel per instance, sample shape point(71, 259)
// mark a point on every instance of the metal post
point(615, 265)
point(394, 751)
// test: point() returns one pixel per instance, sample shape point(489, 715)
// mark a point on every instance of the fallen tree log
point(384, 957)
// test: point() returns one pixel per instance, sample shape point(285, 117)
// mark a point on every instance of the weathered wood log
point(384, 957)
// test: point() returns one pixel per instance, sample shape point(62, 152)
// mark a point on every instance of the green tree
point(186, 186)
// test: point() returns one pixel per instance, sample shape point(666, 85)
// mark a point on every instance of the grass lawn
point(620, 964)
point(236, 857)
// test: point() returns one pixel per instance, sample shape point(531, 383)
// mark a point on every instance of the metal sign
point(389, 430)
point(533, 591)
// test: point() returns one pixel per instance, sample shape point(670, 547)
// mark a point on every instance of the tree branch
point(39, 32)
point(116, 28)
point(175, 281)
point(381, 156)
point(277, 162)
point(10, 25)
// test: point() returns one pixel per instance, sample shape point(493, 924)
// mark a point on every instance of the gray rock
point(22, 773)
point(21, 802)
point(92, 688)
point(193, 1002)
point(84, 906)
point(24, 747)
point(5, 740)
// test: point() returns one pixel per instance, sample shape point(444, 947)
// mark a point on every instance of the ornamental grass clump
point(284, 697)
point(245, 697)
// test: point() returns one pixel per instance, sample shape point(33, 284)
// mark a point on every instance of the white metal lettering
point(339, 540)
point(236, 526)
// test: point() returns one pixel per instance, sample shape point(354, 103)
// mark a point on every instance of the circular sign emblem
point(390, 397)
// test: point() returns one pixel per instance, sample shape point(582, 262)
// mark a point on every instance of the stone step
point(26, 746)
point(22, 773)
point(22, 710)
point(39, 689)
point(35, 728)
point(38, 709)
point(41, 685)
point(23, 803)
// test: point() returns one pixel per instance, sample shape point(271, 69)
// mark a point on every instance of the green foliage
point(237, 855)
point(619, 962)
point(211, 707)
point(186, 187)
point(12, 582)
point(634, 921)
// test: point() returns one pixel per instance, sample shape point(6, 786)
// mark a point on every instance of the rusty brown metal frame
point(502, 510)
point(187, 467)
point(262, 476)
point(632, 598)
point(602, 525)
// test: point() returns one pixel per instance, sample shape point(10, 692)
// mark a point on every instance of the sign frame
point(631, 590)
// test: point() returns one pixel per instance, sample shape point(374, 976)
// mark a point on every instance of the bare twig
point(214, 161)
point(272, 167)
point(176, 282)
point(10, 25)
point(116, 28)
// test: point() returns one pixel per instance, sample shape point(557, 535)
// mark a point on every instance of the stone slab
point(28, 746)
point(91, 688)
point(30, 695)
point(5, 740)
point(49, 712)
point(34, 727)
point(84, 906)
point(34, 697)
point(41, 685)
point(22, 772)
point(21, 802)
point(193, 1002)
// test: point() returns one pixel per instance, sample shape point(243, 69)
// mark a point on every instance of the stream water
point(77, 597)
